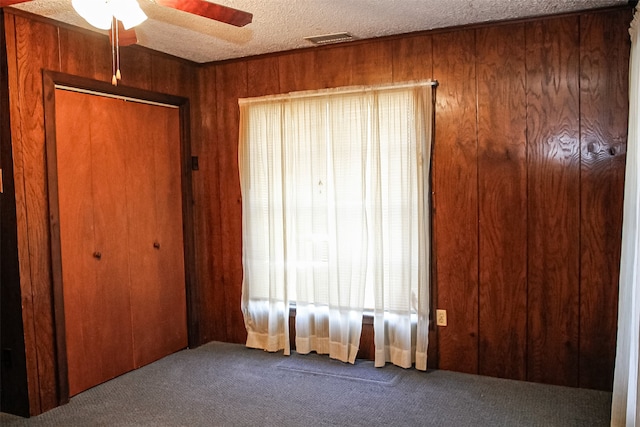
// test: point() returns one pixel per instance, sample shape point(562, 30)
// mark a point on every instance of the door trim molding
point(53, 80)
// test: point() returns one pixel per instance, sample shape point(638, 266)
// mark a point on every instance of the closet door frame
point(54, 81)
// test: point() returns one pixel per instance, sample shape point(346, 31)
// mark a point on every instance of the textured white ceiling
point(280, 25)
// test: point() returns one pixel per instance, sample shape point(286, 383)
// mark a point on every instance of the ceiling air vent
point(330, 38)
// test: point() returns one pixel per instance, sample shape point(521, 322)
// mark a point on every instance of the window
point(335, 217)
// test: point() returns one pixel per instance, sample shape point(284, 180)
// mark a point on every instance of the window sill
point(367, 318)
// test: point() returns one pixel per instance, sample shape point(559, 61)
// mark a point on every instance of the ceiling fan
point(120, 17)
point(214, 11)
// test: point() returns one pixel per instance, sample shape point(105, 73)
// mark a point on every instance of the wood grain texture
point(26, 301)
point(207, 213)
point(231, 82)
point(455, 191)
point(141, 214)
point(297, 71)
point(76, 196)
point(412, 58)
point(367, 348)
point(92, 220)
point(14, 391)
point(502, 194)
point(54, 227)
point(106, 325)
point(128, 307)
point(172, 76)
point(192, 285)
point(85, 54)
point(553, 200)
point(263, 76)
point(136, 69)
point(171, 313)
point(156, 249)
point(604, 59)
point(31, 47)
point(36, 48)
point(360, 64)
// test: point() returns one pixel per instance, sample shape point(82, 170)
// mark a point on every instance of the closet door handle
point(156, 245)
point(97, 255)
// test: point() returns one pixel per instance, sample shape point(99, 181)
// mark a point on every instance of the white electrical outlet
point(441, 317)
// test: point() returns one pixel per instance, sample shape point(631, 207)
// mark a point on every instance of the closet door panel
point(141, 213)
point(94, 270)
point(170, 253)
point(120, 197)
point(155, 233)
point(112, 314)
point(76, 228)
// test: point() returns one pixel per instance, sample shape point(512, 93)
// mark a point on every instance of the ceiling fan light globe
point(96, 12)
point(129, 12)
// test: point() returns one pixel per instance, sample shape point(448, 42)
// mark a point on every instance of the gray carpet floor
point(221, 384)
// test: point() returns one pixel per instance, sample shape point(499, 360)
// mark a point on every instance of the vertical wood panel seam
point(59, 49)
point(393, 60)
point(478, 201)
point(580, 225)
point(526, 162)
point(579, 145)
point(216, 132)
point(127, 206)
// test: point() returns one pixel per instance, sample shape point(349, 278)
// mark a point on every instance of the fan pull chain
point(115, 52)
point(118, 77)
point(114, 81)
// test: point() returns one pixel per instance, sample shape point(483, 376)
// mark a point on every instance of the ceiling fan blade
point(4, 3)
point(125, 37)
point(213, 11)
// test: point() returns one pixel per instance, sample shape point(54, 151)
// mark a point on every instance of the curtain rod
point(339, 90)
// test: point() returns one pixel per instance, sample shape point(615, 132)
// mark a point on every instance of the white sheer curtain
point(265, 301)
point(399, 204)
point(335, 187)
point(327, 145)
point(624, 410)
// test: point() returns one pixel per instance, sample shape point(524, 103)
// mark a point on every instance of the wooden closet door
point(172, 310)
point(93, 232)
point(155, 233)
point(120, 198)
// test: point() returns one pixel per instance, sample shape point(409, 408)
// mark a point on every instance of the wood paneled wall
point(528, 173)
point(33, 45)
point(502, 190)
point(528, 176)
point(604, 64)
point(13, 369)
